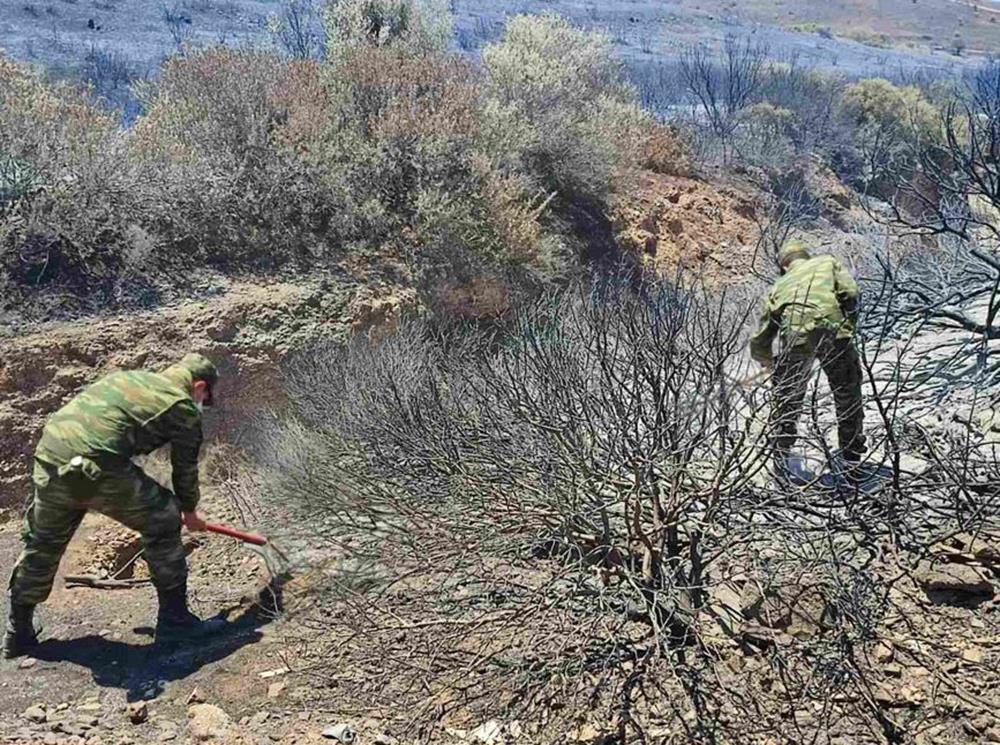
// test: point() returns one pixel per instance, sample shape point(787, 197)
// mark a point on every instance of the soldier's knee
point(164, 523)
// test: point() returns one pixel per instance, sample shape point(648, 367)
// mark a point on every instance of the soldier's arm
point(760, 342)
point(181, 424)
point(847, 291)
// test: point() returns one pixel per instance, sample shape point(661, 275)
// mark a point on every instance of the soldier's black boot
point(21, 635)
point(175, 622)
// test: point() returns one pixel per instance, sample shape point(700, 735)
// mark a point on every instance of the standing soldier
point(84, 462)
point(813, 307)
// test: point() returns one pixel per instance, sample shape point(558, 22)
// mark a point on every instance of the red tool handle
point(257, 540)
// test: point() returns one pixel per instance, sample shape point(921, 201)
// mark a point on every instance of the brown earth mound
point(246, 331)
point(676, 223)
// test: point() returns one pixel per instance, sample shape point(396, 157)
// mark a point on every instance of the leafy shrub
point(558, 95)
point(764, 135)
point(85, 190)
point(395, 147)
point(423, 25)
point(889, 122)
point(877, 103)
point(213, 139)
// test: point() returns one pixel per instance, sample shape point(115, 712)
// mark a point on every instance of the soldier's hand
point(193, 521)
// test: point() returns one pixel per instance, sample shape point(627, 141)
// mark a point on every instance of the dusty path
point(98, 656)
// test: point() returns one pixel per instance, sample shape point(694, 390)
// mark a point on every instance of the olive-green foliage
point(395, 147)
point(66, 161)
point(559, 107)
point(215, 141)
point(17, 180)
point(424, 25)
point(877, 104)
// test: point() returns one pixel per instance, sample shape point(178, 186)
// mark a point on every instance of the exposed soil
point(246, 330)
point(934, 664)
point(676, 223)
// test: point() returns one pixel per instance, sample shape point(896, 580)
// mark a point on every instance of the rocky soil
point(311, 677)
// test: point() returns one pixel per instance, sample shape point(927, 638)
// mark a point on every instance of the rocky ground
point(98, 678)
point(331, 666)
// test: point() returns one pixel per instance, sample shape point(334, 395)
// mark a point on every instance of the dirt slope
point(673, 222)
point(246, 329)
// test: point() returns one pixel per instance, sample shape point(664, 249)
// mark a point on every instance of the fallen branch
point(89, 580)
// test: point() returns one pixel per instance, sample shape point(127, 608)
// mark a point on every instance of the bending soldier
point(812, 307)
point(84, 462)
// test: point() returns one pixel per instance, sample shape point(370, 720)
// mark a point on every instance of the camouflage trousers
point(792, 371)
point(125, 494)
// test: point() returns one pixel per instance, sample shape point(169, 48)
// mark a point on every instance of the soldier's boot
point(176, 622)
point(852, 468)
point(21, 634)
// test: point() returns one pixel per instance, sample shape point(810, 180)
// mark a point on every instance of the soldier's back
point(805, 296)
point(107, 419)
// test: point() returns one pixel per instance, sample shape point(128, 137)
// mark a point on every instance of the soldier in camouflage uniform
point(813, 308)
point(84, 462)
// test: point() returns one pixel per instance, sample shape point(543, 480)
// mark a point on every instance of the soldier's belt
point(91, 468)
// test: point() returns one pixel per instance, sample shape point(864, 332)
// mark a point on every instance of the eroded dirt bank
point(247, 329)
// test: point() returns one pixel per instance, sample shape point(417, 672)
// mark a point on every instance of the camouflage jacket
point(816, 293)
point(130, 413)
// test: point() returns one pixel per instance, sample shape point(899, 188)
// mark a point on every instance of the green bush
point(877, 104)
point(216, 142)
point(422, 25)
point(84, 189)
point(394, 149)
point(559, 107)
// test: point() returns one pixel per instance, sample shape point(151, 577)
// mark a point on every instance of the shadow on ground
point(141, 670)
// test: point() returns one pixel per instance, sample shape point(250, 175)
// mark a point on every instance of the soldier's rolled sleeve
point(760, 342)
point(182, 424)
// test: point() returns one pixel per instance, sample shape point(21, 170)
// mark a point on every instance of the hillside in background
point(113, 43)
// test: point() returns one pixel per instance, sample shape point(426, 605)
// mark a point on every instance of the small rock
point(276, 689)
point(36, 713)
point(488, 733)
point(973, 654)
point(50, 739)
point(258, 719)
point(959, 578)
point(207, 721)
point(68, 728)
point(27, 663)
point(882, 652)
point(195, 697)
point(342, 732)
point(137, 712)
point(273, 673)
point(586, 734)
point(168, 730)
point(91, 706)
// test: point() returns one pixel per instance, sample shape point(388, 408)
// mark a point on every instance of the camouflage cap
point(201, 368)
point(794, 248)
